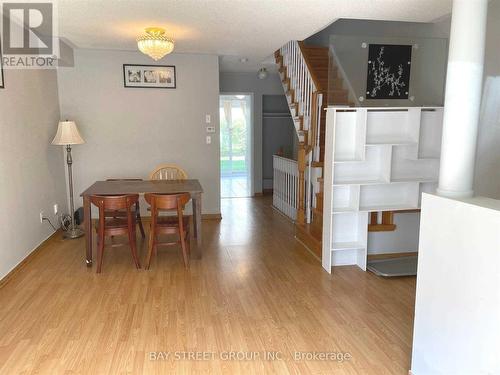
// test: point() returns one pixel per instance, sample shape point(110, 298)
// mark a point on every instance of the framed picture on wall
point(149, 76)
point(388, 71)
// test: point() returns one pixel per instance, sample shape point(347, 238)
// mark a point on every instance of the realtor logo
point(27, 28)
point(28, 35)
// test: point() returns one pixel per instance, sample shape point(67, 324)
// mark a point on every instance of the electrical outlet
point(207, 119)
point(209, 139)
point(42, 215)
point(56, 209)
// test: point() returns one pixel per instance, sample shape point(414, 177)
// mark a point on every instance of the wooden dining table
point(120, 187)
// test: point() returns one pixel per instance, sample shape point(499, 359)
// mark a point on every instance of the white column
point(463, 97)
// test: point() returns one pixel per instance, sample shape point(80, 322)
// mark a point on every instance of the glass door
point(235, 143)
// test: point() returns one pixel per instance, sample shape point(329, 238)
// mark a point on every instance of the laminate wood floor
point(255, 290)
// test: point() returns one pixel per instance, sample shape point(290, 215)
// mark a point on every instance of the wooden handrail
point(309, 67)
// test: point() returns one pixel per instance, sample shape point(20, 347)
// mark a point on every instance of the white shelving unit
point(376, 159)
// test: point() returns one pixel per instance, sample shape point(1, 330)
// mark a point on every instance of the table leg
point(88, 230)
point(197, 222)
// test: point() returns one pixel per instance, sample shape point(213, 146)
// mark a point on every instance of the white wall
point(457, 307)
point(277, 132)
point(31, 169)
point(428, 67)
point(129, 131)
point(487, 178)
point(382, 29)
point(428, 72)
point(248, 82)
point(402, 240)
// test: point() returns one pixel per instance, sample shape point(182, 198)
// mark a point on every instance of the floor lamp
point(67, 135)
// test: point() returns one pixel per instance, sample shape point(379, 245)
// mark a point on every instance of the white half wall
point(457, 307)
point(31, 169)
point(129, 131)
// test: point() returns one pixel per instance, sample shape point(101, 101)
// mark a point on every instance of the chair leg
point(141, 228)
point(133, 247)
point(100, 251)
point(150, 248)
point(139, 219)
point(184, 249)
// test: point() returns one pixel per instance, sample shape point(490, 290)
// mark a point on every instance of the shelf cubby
point(349, 243)
point(405, 167)
point(349, 257)
point(393, 127)
point(351, 132)
point(389, 197)
point(345, 198)
point(374, 169)
point(349, 228)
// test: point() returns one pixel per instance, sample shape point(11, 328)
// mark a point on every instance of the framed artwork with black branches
point(388, 71)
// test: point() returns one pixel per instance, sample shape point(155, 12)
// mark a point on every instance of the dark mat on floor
point(393, 267)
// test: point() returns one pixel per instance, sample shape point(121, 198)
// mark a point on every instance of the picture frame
point(389, 68)
point(149, 76)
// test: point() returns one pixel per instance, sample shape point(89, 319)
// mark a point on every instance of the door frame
point(250, 132)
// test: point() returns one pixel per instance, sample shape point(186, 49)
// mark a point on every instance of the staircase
point(310, 83)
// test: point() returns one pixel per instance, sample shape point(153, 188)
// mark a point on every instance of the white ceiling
point(231, 29)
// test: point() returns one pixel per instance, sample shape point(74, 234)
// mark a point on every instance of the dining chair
point(115, 226)
point(170, 225)
point(168, 172)
point(123, 213)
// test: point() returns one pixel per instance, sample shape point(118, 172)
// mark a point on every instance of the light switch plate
point(209, 139)
point(210, 129)
point(207, 119)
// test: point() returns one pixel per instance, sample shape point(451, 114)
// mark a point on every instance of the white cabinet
point(376, 159)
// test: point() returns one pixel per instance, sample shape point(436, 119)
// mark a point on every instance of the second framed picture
point(149, 76)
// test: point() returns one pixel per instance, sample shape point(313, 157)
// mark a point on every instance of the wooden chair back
point(168, 172)
point(113, 202)
point(167, 202)
point(168, 224)
point(115, 226)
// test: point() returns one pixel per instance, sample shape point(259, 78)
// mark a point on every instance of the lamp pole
point(73, 231)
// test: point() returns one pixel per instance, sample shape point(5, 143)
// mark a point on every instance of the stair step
point(317, 164)
point(300, 120)
point(310, 236)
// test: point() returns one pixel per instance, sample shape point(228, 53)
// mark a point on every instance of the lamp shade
point(67, 134)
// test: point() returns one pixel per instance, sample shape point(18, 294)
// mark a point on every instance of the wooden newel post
point(301, 190)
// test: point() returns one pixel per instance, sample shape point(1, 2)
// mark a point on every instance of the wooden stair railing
point(308, 79)
point(301, 87)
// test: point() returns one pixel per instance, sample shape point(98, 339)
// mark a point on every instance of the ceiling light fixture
point(154, 43)
point(262, 74)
